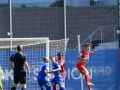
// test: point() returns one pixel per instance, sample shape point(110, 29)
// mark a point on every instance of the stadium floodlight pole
point(64, 17)
point(79, 48)
point(65, 35)
point(10, 15)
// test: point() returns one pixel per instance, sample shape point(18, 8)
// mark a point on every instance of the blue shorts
point(45, 83)
point(58, 81)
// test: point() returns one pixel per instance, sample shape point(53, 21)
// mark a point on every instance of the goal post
point(35, 49)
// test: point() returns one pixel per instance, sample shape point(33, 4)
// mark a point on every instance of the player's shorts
point(81, 67)
point(20, 77)
point(1, 87)
point(44, 83)
point(58, 81)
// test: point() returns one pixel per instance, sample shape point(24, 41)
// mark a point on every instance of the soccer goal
point(35, 49)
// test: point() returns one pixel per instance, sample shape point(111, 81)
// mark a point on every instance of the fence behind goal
point(35, 49)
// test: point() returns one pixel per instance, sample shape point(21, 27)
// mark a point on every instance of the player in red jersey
point(62, 63)
point(82, 59)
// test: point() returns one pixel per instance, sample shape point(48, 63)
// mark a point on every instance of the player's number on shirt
point(40, 68)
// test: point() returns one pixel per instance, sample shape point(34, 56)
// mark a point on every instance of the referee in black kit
point(19, 60)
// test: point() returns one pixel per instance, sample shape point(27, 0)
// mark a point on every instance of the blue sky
point(69, 2)
point(26, 1)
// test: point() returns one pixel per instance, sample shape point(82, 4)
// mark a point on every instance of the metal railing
point(101, 33)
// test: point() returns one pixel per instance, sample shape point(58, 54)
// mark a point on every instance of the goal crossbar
point(32, 41)
point(24, 39)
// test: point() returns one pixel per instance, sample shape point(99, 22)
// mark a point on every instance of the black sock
point(23, 88)
point(13, 88)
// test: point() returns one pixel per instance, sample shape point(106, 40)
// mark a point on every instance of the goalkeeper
point(1, 78)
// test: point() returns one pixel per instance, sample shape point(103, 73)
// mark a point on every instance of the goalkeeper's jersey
point(42, 75)
point(0, 75)
point(0, 70)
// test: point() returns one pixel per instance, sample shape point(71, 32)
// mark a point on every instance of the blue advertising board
point(103, 68)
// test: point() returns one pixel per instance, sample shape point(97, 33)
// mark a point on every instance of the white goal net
point(35, 49)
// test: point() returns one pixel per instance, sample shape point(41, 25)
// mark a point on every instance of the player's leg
point(53, 83)
point(84, 71)
point(63, 79)
point(16, 80)
point(22, 77)
point(23, 87)
point(40, 84)
point(87, 78)
point(47, 84)
point(54, 87)
point(1, 87)
point(61, 84)
point(14, 87)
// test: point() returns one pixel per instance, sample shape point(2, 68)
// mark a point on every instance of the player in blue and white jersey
point(57, 75)
point(43, 76)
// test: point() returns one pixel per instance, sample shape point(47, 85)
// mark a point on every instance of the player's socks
point(87, 78)
point(23, 88)
point(13, 88)
point(54, 87)
point(41, 88)
point(62, 88)
point(89, 87)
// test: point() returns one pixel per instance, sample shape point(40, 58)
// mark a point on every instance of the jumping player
point(62, 63)
point(82, 59)
point(58, 77)
point(43, 76)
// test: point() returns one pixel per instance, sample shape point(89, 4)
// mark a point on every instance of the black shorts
point(20, 77)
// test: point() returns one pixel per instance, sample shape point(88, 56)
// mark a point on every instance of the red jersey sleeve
point(81, 53)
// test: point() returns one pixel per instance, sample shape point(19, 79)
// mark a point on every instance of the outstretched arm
point(94, 52)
